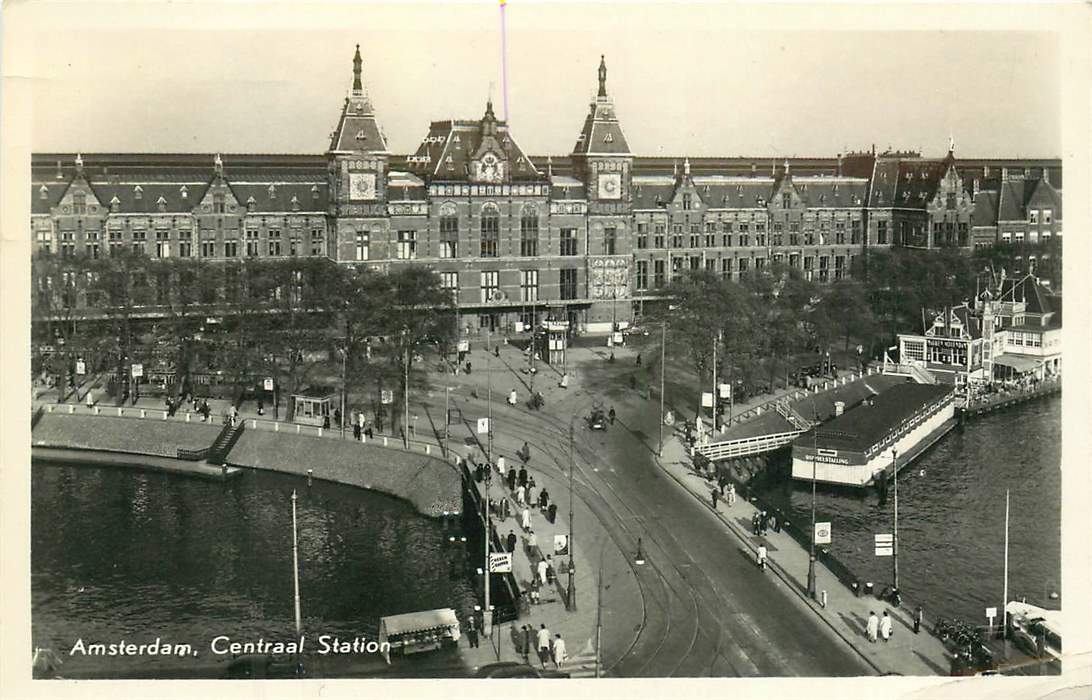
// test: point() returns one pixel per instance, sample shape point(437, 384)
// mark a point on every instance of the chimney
point(60, 173)
point(839, 408)
point(1046, 175)
point(1004, 174)
point(986, 171)
point(975, 187)
point(839, 164)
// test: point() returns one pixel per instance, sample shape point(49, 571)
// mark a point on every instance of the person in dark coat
point(544, 499)
point(525, 453)
point(551, 513)
point(512, 479)
point(510, 541)
point(472, 630)
point(611, 415)
point(522, 476)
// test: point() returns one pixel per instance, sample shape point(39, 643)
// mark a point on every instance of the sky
point(688, 80)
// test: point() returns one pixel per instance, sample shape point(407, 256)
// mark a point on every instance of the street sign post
point(822, 533)
point(81, 367)
point(386, 396)
point(885, 545)
point(561, 544)
point(500, 562)
point(268, 384)
point(725, 391)
point(991, 614)
point(138, 370)
point(706, 399)
point(483, 426)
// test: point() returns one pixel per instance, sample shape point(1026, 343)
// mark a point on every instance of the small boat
point(1037, 631)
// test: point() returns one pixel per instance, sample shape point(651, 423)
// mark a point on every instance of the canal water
point(119, 554)
point(952, 516)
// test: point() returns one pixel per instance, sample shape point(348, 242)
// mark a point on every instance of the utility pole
point(812, 583)
point(487, 612)
point(570, 596)
point(447, 417)
point(895, 538)
point(1005, 593)
point(296, 567)
point(405, 364)
point(613, 320)
point(344, 355)
point(663, 354)
point(599, 624)
point(716, 338)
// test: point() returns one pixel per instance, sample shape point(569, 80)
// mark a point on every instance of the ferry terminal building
point(581, 239)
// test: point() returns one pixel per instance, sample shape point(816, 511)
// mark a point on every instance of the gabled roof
point(822, 191)
point(885, 181)
point(1042, 194)
point(1011, 202)
point(150, 198)
point(447, 151)
point(1036, 298)
point(917, 184)
point(357, 130)
point(602, 132)
point(985, 208)
point(281, 197)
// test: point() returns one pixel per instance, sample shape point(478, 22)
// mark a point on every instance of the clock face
point(361, 185)
point(610, 186)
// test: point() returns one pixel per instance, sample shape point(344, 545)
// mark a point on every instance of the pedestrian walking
point(525, 648)
point(541, 571)
point(368, 431)
point(525, 453)
point(551, 513)
point(525, 518)
point(522, 476)
point(512, 398)
point(559, 651)
point(512, 479)
point(472, 631)
point(638, 359)
point(521, 494)
point(885, 626)
point(714, 499)
point(611, 415)
point(919, 615)
point(873, 626)
point(534, 590)
point(543, 644)
point(532, 498)
point(549, 570)
point(510, 541)
point(764, 521)
point(89, 399)
point(761, 556)
point(544, 499)
point(754, 524)
point(506, 508)
point(532, 541)
point(774, 524)
point(731, 495)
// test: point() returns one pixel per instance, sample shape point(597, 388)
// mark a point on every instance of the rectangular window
point(1048, 216)
point(208, 249)
point(913, 350)
point(361, 245)
point(185, 249)
point(962, 233)
point(273, 245)
point(658, 271)
point(162, 244)
point(528, 285)
point(711, 264)
point(1033, 216)
point(744, 265)
point(839, 267)
point(695, 240)
point(695, 262)
point(568, 242)
point(316, 241)
point(824, 271)
point(642, 236)
point(686, 203)
point(490, 286)
point(231, 249)
point(407, 245)
point(661, 230)
point(726, 240)
point(642, 274)
point(840, 232)
point(726, 267)
point(528, 236)
point(450, 282)
point(490, 229)
point(568, 283)
point(881, 232)
point(610, 240)
point(855, 232)
point(251, 243)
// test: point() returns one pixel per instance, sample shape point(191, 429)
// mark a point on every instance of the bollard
point(297, 428)
point(223, 470)
point(143, 413)
point(164, 415)
point(253, 424)
point(384, 441)
point(71, 409)
point(320, 432)
point(428, 449)
point(119, 411)
point(823, 598)
point(187, 416)
point(97, 410)
point(276, 427)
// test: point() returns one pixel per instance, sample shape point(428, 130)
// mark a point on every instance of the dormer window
point(138, 192)
point(822, 199)
point(739, 191)
point(43, 192)
point(114, 203)
point(609, 138)
point(272, 192)
point(360, 136)
point(182, 191)
point(455, 138)
point(250, 203)
point(295, 203)
point(161, 203)
point(314, 191)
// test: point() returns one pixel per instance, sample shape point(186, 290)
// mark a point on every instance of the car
point(597, 420)
point(514, 669)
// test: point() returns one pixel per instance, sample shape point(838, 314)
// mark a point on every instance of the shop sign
point(725, 391)
point(500, 562)
point(386, 396)
point(885, 545)
point(947, 343)
point(268, 384)
point(483, 426)
point(138, 370)
point(822, 533)
point(561, 544)
point(707, 399)
point(464, 346)
point(81, 367)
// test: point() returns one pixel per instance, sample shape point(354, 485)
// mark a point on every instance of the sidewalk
point(906, 653)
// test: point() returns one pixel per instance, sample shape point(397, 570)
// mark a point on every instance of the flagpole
point(1005, 593)
point(487, 613)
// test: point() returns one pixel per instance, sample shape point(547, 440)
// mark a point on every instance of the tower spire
point(602, 75)
point(358, 87)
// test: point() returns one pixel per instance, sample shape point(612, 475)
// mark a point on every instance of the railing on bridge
point(980, 403)
point(745, 447)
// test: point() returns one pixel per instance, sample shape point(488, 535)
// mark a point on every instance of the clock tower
point(358, 162)
point(601, 157)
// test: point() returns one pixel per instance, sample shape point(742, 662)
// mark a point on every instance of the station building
point(583, 238)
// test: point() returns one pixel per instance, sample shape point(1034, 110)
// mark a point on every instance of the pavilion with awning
point(1017, 365)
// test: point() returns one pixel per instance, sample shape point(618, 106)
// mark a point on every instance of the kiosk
point(311, 410)
point(415, 632)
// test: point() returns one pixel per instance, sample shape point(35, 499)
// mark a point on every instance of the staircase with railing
point(221, 446)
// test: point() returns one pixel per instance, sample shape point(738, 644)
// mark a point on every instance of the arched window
point(490, 228)
point(449, 230)
point(528, 232)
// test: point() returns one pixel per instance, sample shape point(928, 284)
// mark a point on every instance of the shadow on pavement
point(939, 670)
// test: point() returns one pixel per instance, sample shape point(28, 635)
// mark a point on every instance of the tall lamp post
point(570, 593)
point(812, 586)
point(663, 354)
point(613, 320)
point(895, 537)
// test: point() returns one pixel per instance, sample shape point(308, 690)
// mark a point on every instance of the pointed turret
point(357, 131)
point(602, 134)
point(218, 166)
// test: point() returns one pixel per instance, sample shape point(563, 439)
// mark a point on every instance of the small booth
point(415, 632)
point(312, 409)
point(556, 341)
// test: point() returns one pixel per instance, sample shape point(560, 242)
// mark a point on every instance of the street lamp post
point(895, 534)
point(344, 357)
point(613, 320)
point(570, 594)
point(487, 612)
point(447, 417)
point(405, 364)
point(812, 584)
point(663, 354)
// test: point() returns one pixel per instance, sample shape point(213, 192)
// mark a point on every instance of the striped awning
point(1017, 362)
